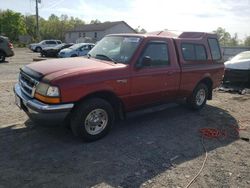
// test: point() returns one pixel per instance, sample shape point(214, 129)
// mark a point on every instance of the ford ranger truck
point(122, 73)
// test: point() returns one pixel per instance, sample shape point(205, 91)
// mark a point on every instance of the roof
point(182, 35)
point(99, 26)
point(196, 35)
point(3, 37)
point(163, 33)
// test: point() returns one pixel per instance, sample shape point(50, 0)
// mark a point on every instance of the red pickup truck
point(122, 73)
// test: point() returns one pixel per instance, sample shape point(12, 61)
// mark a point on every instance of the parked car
point(121, 73)
point(237, 70)
point(6, 48)
point(79, 49)
point(53, 51)
point(38, 47)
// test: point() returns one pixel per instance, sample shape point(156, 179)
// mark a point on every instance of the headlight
point(53, 91)
point(48, 94)
point(42, 88)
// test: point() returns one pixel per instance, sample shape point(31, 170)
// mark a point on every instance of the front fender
point(76, 93)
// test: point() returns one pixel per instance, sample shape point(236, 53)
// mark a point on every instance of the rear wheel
point(199, 97)
point(74, 55)
point(2, 56)
point(92, 119)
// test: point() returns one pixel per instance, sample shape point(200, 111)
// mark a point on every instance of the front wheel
point(38, 49)
point(199, 96)
point(92, 119)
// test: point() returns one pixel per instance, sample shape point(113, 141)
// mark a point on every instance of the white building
point(97, 31)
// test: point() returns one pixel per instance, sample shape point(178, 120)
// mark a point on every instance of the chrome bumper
point(37, 110)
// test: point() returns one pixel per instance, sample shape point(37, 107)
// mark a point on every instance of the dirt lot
point(157, 147)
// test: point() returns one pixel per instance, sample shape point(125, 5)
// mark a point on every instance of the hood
point(239, 65)
point(60, 67)
point(66, 50)
point(33, 44)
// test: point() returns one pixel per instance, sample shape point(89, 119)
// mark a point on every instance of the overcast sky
point(180, 15)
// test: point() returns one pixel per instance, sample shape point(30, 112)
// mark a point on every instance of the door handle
point(170, 72)
point(124, 81)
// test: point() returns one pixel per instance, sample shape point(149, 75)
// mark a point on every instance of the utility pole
point(37, 18)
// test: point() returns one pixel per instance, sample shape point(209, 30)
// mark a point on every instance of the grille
point(27, 84)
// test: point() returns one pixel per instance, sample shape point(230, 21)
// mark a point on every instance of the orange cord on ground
point(203, 164)
point(210, 133)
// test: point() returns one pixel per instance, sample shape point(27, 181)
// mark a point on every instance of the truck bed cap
point(187, 35)
point(172, 34)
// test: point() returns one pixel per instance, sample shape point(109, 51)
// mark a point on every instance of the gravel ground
point(156, 147)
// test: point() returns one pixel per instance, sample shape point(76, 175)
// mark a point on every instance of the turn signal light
point(49, 100)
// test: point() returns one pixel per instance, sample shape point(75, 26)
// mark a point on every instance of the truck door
point(156, 73)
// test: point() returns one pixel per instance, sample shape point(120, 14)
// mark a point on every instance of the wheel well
point(209, 84)
point(111, 98)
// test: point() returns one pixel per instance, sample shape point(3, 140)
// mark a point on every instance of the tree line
point(226, 39)
point(14, 24)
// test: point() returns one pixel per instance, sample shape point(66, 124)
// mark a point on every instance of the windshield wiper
point(107, 57)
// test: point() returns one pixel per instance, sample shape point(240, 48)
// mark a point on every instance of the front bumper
point(39, 111)
point(32, 48)
point(49, 53)
point(61, 55)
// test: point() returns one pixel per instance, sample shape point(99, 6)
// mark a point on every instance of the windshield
point(117, 48)
point(242, 56)
point(59, 46)
point(43, 41)
point(76, 46)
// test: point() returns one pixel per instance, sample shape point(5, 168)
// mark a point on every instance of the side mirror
point(146, 61)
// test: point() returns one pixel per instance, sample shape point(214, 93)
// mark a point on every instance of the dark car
point(6, 48)
point(237, 70)
point(53, 51)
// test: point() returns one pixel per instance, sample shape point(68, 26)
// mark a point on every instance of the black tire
point(74, 55)
point(79, 119)
point(2, 56)
point(193, 100)
point(38, 49)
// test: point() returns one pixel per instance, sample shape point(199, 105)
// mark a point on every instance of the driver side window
point(85, 47)
point(157, 52)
